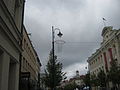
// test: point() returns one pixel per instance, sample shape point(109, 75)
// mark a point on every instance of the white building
point(11, 21)
point(110, 49)
point(78, 79)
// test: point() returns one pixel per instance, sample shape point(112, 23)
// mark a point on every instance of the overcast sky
point(81, 23)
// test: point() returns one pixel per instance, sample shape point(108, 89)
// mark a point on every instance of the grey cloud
point(76, 53)
point(55, 4)
point(79, 20)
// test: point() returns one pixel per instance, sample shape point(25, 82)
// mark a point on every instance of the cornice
point(10, 35)
point(8, 16)
point(36, 55)
point(104, 45)
point(9, 54)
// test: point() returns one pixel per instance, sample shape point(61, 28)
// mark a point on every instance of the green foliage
point(94, 80)
point(71, 86)
point(102, 79)
point(53, 72)
point(114, 73)
point(87, 79)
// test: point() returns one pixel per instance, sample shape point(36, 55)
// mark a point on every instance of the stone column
point(13, 76)
point(118, 48)
point(4, 71)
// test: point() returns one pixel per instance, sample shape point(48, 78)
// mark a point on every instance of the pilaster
point(5, 62)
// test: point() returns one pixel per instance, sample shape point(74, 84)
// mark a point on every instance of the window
point(1, 52)
point(107, 36)
point(23, 62)
point(102, 67)
point(99, 68)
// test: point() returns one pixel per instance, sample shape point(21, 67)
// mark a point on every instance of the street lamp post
point(53, 51)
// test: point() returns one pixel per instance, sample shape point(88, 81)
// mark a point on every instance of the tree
point(102, 78)
point(53, 72)
point(114, 73)
point(87, 80)
point(94, 80)
point(70, 86)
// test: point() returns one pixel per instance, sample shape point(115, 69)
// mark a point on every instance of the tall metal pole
point(53, 37)
point(53, 53)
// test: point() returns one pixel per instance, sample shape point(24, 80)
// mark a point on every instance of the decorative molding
point(9, 34)
point(9, 17)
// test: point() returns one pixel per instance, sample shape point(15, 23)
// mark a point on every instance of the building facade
point(77, 80)
point(108, 51)
point(11, 21)
point(30, 63)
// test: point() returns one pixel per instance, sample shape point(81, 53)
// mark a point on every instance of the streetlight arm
point(53, 36)
point(53, 51)
point(59, 34)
